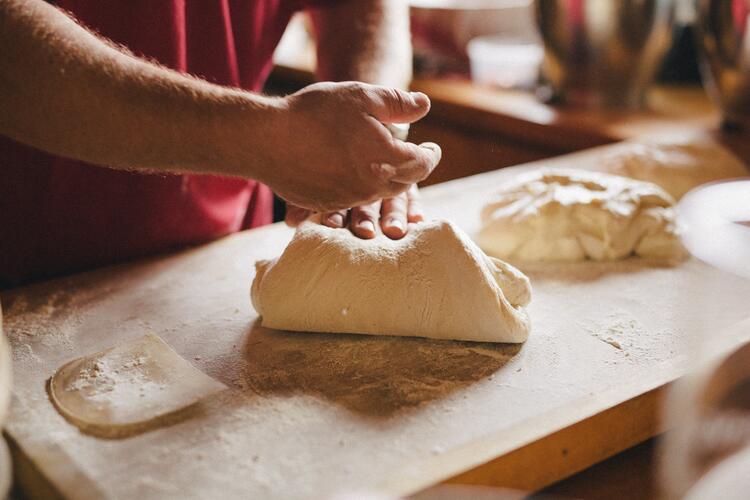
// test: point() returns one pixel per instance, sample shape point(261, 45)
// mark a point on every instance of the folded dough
point(571, 215)
point(129, 388)
point(676, 165)
point(435, 282)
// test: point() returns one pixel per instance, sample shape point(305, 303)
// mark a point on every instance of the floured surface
point(677, 164)
point(311, 414)
point(129, 388)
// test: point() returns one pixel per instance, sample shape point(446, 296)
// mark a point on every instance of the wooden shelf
point(482, 128)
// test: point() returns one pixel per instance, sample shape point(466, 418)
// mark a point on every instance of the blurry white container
point(442, 29)
point(5, 376)
point(461, 20)
point(504, 62)
point(706, 454)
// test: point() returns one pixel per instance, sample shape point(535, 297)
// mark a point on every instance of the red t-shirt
point(58, 215)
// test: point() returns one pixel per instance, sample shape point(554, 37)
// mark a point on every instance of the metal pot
point(724, 46)
point(603, 53)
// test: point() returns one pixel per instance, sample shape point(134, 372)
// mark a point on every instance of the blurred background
point(514, 81)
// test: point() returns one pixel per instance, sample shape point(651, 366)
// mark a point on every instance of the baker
point(192, 158)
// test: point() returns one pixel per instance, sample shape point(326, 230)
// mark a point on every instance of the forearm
point(66, 91)
point(364, 40)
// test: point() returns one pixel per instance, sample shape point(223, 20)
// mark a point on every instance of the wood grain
point(574, 448)
point(341, 412)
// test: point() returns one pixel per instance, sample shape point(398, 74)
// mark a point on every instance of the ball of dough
point(676, 166)
point(435, 282)
point(573, 215)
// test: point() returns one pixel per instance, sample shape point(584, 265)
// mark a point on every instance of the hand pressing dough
point(573, 215)
point(130, 388)
point(435, 282)
point(676, 166)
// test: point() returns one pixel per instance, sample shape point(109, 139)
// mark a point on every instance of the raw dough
point(435, 282)
point(677, 166)
point(129, 388)
point(572, 215)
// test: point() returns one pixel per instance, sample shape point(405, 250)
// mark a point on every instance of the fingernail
point(366, 225)
point(420, 98)
point(336, 220)
point(396, 224)
point(434, 148)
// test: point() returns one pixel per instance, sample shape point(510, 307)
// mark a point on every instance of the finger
point(364, 219)
point(391, 105)
point(295, 215)
point(414, 210)
point(392, 189)
point(393, 216)
point(335, 219)
point(408, 163)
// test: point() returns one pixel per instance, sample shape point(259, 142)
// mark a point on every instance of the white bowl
point(448, 25)
point(505, 62)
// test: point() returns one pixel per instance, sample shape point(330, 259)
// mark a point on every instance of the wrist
point(246, 135)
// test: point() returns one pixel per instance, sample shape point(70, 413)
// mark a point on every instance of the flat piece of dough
point(130, 388)
point(435, 282)
point(572, 215)
point(676, 165)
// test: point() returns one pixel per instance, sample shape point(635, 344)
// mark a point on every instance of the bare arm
point(364, 40)
point(66, 91)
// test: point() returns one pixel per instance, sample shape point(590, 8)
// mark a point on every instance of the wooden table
point(311, 413)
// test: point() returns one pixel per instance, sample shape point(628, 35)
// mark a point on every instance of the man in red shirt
point(187, 154)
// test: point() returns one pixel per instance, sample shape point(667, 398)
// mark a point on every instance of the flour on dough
point(435, 282)
point(129, 388)
point(573, 215)
point(677, 165)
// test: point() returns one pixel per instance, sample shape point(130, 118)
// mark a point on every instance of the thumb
point(411, 163)
point(390, 105)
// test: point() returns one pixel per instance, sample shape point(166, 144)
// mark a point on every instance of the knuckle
point(396, 188)
point(398, 202)
point(366, 213)
point(363, 92)
point(397, 100)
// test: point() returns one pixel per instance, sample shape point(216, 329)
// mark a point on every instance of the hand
point(392, 214)
point(336, 151)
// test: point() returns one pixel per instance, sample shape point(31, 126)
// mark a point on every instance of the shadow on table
point(373, 375)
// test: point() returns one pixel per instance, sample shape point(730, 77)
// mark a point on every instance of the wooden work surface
point(310, 414)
